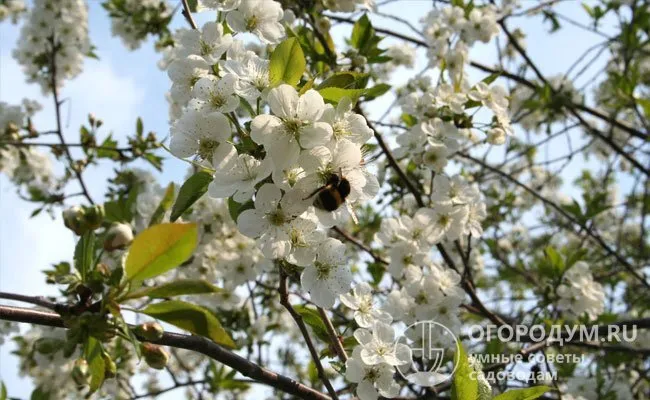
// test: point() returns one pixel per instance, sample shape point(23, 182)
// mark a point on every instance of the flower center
point(207, 148)
point(206, 48)
point(371, 375)
point(276, 218)
point(365, 305)
point(293, 126)
point(341, 129)
point(217, 100)
point(322, 270)
point(251, 23)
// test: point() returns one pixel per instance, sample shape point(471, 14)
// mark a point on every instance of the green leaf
point(463, 387)
point(190, 192)
point(121, 210)
point(3, 391)
point(160, 248)
point(176, 288)
point(491, 78)
point(523, 394)
point(84, 254)
point(105, 152)
point(313, 319)
point(165, 204)
point(193, 4)
point(376, 91)
point(345, 80)
point(192, 318)
point(139, 127)
point(40, 394)
point(362, 32)
point(287, 63)
point(334, 94)
point(96, 365)
point(235, 209)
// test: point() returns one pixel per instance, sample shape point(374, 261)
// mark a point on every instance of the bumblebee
point(332, 195)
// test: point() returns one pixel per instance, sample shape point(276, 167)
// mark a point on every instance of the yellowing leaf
point(192, 318)
point(160, 248)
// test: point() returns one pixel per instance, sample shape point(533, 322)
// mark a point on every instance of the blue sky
point(123, 85)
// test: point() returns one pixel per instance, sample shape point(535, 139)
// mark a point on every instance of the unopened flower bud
point(155, 356)
point(359, 61)
point(150, 331)
point(73, 219)
point(118, 236)
point(94, 217)
point(80, 372)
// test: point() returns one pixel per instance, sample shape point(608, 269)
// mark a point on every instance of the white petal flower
point(209, 43)
point(294, 125)
point(373, 380)
point(328, 276)
point(204, 135)
point(240, 178)
point(380, 346)
point(212, 94)
point(184, 73)
point(260, 17)
point(253, 74)
point(361, 301)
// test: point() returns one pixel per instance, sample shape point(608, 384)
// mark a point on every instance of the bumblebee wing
point(352, 213)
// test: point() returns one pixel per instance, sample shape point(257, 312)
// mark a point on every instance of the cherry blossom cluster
point(450, 32)
point(55, 34)
point(132, 19)
point(579, 293)
point(285, 158)
point(23, 165)
point(12, 9)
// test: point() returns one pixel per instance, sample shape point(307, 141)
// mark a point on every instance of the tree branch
point(188, 342)
point(59, 125)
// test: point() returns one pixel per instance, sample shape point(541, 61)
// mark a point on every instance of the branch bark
point(188, 342)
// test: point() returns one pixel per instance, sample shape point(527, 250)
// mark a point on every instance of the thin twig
point(284, 300)
point(334, 336)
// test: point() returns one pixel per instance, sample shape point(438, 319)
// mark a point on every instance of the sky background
point(123, 85)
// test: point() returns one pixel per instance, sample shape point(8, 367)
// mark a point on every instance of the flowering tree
point(317, 234)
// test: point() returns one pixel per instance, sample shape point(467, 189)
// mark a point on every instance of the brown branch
point(188, 342)
point(284, 300)
point(334, 336)
point(59, 125)
point(391, 160)
point(188, 14)
point(629, 267)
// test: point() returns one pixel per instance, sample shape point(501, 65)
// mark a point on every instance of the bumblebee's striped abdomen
point(329, 200)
